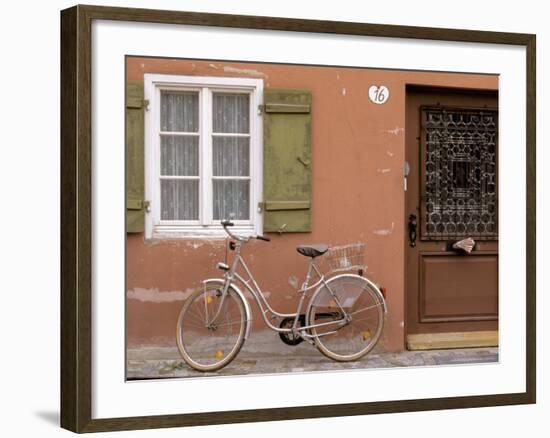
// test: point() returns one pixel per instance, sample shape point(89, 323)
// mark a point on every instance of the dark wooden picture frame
point(76, 217)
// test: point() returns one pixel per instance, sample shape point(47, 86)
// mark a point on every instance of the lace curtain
point(180, 155)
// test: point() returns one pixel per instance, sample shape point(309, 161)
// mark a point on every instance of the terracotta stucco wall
point(357, 195)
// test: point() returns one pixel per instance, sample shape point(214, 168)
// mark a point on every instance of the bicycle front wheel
point(211, 328)
point(347, 317)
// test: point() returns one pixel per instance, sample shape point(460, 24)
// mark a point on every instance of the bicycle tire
point(346, 341)
point(204, 346)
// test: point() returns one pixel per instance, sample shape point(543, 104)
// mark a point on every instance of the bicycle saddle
point(312, 250)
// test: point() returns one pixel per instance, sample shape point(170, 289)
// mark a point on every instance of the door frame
point(458, 339)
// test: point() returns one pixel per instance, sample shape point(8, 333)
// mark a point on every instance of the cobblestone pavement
point(264, 353)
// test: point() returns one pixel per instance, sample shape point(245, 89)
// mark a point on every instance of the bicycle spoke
point(229, 323)
point(364, 319)
point(196, 325)
point(366, 308)
point(197, 319)
point(197, 306)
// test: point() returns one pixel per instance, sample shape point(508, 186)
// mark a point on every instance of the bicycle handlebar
point(226, 223)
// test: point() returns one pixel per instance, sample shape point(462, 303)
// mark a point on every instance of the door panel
point(451, 151)
point(458, 288)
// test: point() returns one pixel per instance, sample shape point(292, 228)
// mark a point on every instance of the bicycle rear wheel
point(352, 313)
point(211, 328)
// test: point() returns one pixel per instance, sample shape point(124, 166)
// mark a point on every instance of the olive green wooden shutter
point(135, 204)
point(287, 160)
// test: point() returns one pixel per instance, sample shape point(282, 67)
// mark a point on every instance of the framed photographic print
point(268, 218)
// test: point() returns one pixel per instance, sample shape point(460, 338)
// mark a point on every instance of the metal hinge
point(261, 109)
point(261, 207)
point(146, 104)
point(138, 204)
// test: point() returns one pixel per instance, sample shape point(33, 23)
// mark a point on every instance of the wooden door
point(451, 160)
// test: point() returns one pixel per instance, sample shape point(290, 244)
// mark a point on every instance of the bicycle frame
point(265, 308)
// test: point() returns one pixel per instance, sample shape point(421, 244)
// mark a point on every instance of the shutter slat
point(287, 205)
point(135, 206)
point(287, 158)
point(287, 108)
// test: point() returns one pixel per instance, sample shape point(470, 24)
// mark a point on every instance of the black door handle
point(412, 230)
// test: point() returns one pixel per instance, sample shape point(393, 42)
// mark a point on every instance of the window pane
point(231, 113)
point(231, 199)
point(179, 111)
point(179, 155)
point(231, 156)
point(179, 199)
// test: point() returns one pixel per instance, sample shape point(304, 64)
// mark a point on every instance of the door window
point(459, 155)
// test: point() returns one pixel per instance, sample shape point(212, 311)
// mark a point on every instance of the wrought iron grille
point(459, 174)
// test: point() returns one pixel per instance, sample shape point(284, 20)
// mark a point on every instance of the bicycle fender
point(221, 282)
point(318, 290)
point(378, 291)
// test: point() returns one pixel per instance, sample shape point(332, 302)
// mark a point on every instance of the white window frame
point(205, 227)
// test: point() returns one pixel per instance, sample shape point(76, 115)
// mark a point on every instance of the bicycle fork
point(227, 283)
point(210, 323)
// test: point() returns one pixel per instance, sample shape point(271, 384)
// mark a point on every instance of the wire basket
point(349, 257)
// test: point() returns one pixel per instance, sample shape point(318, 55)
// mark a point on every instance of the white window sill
point(171, 232)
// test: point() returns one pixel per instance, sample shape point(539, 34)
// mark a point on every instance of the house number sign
point(379, 94)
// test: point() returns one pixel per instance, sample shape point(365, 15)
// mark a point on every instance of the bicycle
point(343, 319)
